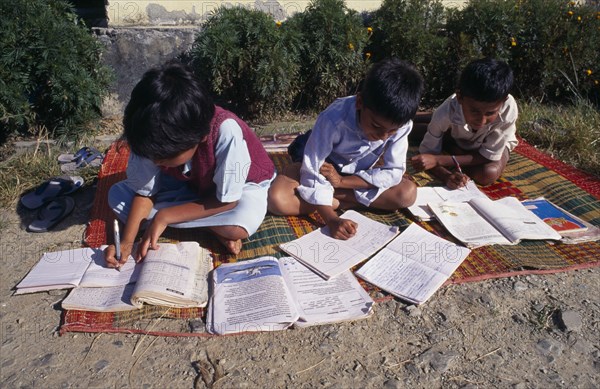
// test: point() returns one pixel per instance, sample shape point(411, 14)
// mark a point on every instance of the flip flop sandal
point(50, 190)
point(51, 214)
point(77, 156)
point(93, 158)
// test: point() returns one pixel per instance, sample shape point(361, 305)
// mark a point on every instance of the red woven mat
point(529, 174)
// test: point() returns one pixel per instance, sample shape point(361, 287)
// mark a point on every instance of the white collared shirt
point(337, 135)
point(489, 141)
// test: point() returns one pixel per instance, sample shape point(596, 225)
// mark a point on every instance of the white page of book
point(414, 265)
point(169, 271)
point(250, 296)
point(467, 225)
point(58, 270)
point(98, 275)
point(514, 220)
point(108, 299)
point(319, 301)
point(329, 257)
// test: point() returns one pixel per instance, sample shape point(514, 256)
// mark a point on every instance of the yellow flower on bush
point(368, 55)
point(589, 72)
point(570, 13)
point(370, 30)
point(579, 18)
point(513, 41)
point(350, 46)
point(278, 23)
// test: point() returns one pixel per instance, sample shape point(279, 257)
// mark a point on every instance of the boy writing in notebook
point(192, 164)
point(356, 152)
point(475, 127)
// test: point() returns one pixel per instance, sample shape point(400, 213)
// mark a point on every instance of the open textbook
point(76, 267)
point(439, 194)
point(481, 222)
point(329, 257)
point(268, 294)
point(174, 275)
point(414, 265)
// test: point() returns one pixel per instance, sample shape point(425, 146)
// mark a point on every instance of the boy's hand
point(342, 228)
point(424, 161)
point(150, 239)
point(457, 180)
point(334, 178)
point(110, 252)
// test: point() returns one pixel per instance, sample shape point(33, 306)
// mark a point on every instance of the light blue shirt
point(232, 167)
point(337, 135)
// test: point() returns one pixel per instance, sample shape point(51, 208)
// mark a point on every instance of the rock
point(519, 286)
point(413, 311)
point(196, 325)
point(101, 365)
point(46, 359)
point(549, 347)
point(538, 307)
point(392, 384)
point(441, 362)
point(570, 321)
point(118, 343)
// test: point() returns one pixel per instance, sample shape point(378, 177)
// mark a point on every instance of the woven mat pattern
point(529, 174)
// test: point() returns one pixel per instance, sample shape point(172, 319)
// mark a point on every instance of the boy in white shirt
point(356, 152)
point(476, 127)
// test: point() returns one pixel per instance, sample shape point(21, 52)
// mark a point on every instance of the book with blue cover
point(556, 217)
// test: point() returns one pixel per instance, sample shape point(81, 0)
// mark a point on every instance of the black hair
point(169, 112)
point(486, 79)
point(393, 88)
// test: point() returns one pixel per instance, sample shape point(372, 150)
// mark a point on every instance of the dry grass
point(24, 172)
point(570, 133)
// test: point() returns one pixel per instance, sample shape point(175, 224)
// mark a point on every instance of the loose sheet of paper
point(434, 195)
point(329, 257)
point(460, 195)
point(319, 301)
point(414, 265)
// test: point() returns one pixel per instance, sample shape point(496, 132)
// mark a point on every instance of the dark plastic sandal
point(52, 214)
point(49, 190)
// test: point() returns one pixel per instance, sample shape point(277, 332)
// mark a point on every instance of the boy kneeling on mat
point(356, 152)
point(476, 126)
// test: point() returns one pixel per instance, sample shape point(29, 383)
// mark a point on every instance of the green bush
point(249, 61)
point(413, 30)
point(49, 70)
point(552, 45)
point(332, 59)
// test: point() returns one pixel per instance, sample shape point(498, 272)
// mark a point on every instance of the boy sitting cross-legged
point(356, 152)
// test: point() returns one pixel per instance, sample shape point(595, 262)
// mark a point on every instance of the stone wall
point(132, 51)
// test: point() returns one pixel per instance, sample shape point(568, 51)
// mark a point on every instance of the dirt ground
point(521, 332)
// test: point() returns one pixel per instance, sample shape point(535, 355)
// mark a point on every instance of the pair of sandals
point(52, 201)
point(86, 156)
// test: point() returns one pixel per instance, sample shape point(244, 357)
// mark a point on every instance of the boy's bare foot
point(233, 246)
